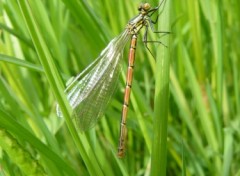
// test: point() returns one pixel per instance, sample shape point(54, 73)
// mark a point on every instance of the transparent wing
point(90, 95)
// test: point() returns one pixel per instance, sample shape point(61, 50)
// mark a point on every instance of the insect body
point(90, 92)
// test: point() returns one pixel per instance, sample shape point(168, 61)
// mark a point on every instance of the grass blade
point(56, 84)
point(159, 142)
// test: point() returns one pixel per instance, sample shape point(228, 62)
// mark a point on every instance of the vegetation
point(184, 115)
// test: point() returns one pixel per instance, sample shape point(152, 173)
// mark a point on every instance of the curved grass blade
point(20, 62)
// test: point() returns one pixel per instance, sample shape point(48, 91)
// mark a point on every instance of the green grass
point(184, 115)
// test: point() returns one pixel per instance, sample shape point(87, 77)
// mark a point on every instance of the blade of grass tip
point(57, 87)
point(159, 142)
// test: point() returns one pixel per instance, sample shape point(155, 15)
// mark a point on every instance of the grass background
point(201, 112)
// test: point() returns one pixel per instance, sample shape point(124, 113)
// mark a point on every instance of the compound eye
point(146, 6)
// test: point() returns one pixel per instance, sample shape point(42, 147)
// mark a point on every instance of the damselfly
point(90, 92)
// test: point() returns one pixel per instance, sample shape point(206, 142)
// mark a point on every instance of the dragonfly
point(90, 92)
